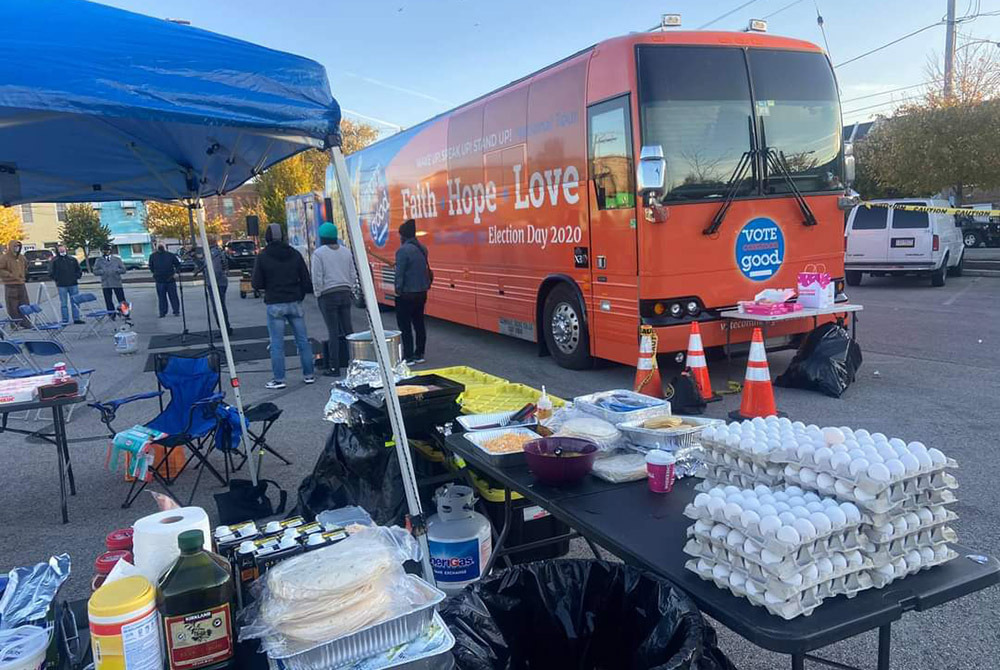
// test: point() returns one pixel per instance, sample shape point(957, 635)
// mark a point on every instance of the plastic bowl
point(549, 461)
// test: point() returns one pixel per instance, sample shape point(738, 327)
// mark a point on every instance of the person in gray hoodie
point(110, 269)
point(333, 279)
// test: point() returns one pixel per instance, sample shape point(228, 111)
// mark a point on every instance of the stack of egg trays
point(928, 486)
point(731, 465)
point(774, 584)
point(906, 542)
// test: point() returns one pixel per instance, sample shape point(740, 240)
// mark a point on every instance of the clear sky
point(403, 61)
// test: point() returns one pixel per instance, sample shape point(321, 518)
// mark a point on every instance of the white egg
point(886, 452)
point(733, 441)
point(870, 452)
point(813, 505)
point(825, 567)
point(750, 547)
point(864, 440)
point(838, 560)
point(796, 500)
point(735, 538)
point(769, 525)
point(772, 598)
point(926, 555)
point(747, 444)
point(851, 511)
point(825, 482)
point(794, 580)
point(913, 559)
point(760, 490)
point(715, 505)
point(804, 452)
point(924, 459)
point(730, 490)
point(821, 457)
point(767, 510)
point(896, 468)
point(883, 530)
point(840, 463)
point(910, 462)
point(701, 500)
point(735, 497)
point(900, 525)
point(940, 513)
point(887, 571)
point(787, 518)
point(912, 520)
point(828, 502)
point(708, 433)
point(720, 572)
point(758, 421)
point(789, 534)
point(793, 490)
point(821, 522)
point(781, 496)
point(863, 496)
point(940, 552)
point(799, 425)
point(879, 473)
point(766, 499)
point(720, 531)
point(717, 492)
point(856, 454)
point(703, 527)
point(810, 573)
point(805, 528)
point(836, 515)
point(843, 488)
point(849, 445)
point(839, 448)
point(751, 504)
point(704, 566)
point(896, 442)
point(800, 512)
point(768, 557)
point(854, 558)
point(791, 471)
point(807, 475)
point(818, 442)
point(861, 432)
point(732, 510)
point(737, 579)
point(782, 506)
point(925, 516)
point(859, 465)
point(749, 518)
point(937, 457)
point(899, 567)
point(833, 435)
point(752, 588)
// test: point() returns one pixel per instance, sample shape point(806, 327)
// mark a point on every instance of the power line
point(788, 6)
point(891, 90)
point(729, 13)
point(880, 104)
point(889, 44)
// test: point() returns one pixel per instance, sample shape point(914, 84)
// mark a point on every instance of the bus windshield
point(697, 103)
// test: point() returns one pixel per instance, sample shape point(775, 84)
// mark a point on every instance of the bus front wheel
point(566, 333)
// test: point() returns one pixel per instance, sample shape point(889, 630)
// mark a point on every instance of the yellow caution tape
point(933, 210)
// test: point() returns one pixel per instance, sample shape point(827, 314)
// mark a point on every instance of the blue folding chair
point(13, 363)
point(53, 349)
point(97, 319)
point(36, 317)
point(190, 418)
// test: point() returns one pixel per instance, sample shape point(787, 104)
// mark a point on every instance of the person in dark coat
point(220, 266)
point(165, 265)
point(65, 272)
point(281, 273)
point(413, 280)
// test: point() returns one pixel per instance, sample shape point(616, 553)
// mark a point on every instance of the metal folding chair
point(97, 319)
point(264, 414)
point(189, 419)
point(53, 349)
point(34, 314)
point(13, 363)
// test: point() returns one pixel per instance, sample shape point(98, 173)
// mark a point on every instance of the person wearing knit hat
point(413, 281)
point(334, 277)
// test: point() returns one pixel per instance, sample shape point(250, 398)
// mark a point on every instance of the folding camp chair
point(265, 414)
point(53, 349)
point(36, 317)
point(96, 319)
point(189, 419)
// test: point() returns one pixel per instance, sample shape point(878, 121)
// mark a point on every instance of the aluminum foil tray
point(669, 439)
point(653, 406)
point(472, 422)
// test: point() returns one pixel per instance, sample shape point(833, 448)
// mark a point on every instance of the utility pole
point(949, 52)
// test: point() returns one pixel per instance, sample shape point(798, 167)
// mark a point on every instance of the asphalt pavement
point(930, 373)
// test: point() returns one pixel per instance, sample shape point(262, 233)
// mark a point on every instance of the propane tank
point(459, 539)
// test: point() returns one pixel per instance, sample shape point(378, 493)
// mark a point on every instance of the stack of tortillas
point(332, 592)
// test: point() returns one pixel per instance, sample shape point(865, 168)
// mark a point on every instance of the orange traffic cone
point(758, 396)
point(647, 372)
point(699, 367)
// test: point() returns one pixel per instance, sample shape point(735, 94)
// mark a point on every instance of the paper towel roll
point(154, 542)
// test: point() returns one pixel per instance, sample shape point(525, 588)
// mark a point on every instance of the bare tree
point(976, 75)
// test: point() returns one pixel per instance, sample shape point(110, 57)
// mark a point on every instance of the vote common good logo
point(375, 206)
point(760, 249)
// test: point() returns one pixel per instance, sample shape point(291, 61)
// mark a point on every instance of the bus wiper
point(776, 161)
point(747, 161)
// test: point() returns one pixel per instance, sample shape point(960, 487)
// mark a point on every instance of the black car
point(242, 254)
point(38, 263)
point(981, 233)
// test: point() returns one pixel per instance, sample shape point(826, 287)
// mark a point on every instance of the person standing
point(110, 269)
point(413, 280)
point(333, 278)
point(220, 266)
point(65, 272)
point(165, 265)
point(13, 275)
point(281, 273)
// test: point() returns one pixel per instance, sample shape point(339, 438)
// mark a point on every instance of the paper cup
point(660, 470)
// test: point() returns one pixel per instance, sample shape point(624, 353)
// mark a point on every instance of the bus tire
point(565, 329)
point(853, 277)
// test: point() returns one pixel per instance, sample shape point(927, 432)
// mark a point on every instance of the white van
point(883, 241)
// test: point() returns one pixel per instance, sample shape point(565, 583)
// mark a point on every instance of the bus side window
point(610, 152)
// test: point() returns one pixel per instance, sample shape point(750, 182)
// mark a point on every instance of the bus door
point(613, 313)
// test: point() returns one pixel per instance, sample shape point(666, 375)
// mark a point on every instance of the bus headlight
point(693, 308)
point(676, 310)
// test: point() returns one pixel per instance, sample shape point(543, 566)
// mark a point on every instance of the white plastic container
point(459, 539)
point(23, 648)
point(126, 342)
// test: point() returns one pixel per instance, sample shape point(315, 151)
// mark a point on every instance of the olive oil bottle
point(196, 599)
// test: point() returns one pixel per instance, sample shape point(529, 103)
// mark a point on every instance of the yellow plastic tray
point(489, 494)
point(501, 398)
point(468, 377)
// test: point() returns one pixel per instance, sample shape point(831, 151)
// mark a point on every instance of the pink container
point(660, 470)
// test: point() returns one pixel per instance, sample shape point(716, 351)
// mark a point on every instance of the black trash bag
point(827, 361)
point(579, 615)
point(355, 468)
point(686, 398)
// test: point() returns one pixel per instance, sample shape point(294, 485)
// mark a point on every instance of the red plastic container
point(549, 460)
point(106, 561)
point(119, 540)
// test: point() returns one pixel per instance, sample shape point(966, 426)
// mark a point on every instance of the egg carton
point(727, 475)
point(736, 451)
point(903, 524)
point(932, 499)
point(744, 465)
point(902, 568)
point(803, 564)
point(803, 604)
point(933, 477)
point(887, 500)
point(887, 552)
point(845, 538)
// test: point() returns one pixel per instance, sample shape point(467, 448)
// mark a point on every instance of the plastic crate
point(505, 398)
point(467, 376)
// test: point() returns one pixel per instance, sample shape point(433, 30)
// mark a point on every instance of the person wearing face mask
point(65, 272)
point(13, 274)
point(110, 269)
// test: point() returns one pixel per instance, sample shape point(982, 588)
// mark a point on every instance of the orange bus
point(655, 179)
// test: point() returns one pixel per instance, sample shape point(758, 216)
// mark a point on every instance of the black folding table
point(57, 437)
point(649, 530)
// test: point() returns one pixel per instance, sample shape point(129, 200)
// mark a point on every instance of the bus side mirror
point(651, 173)
point(849, 166)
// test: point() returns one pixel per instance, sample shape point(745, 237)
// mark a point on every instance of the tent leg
point(195, 204)
point(382, 354)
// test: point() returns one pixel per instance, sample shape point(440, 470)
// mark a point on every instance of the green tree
point(10, 225)
point(168, 220)
point(83, 229)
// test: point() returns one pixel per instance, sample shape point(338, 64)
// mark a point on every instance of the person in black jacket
point(413, 280)
point(281, 273)
point(164, 265)
point(65, 272)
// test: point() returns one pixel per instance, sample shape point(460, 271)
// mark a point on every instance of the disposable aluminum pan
point(372, 640)
point(471, 422)
point(653, 406)
point(481, 437)
point(669, 438)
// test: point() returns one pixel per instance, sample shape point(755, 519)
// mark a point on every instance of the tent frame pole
point(382, 354)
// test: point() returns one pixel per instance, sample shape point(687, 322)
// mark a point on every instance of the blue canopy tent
point(98, 104)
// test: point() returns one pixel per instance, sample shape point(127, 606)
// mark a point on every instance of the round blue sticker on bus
point(760, 249)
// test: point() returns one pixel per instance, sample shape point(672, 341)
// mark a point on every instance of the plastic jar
point(23, 648)
point(124, 622)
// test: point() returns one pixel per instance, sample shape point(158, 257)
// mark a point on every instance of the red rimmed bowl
point(560, 460)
